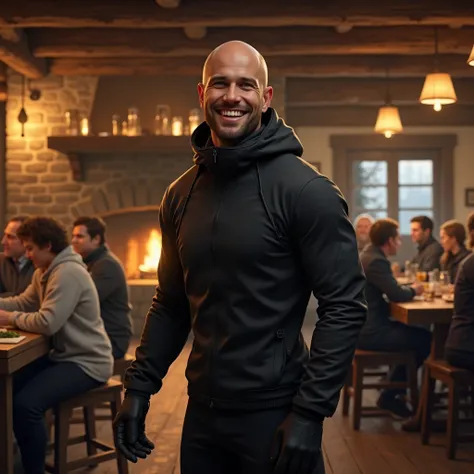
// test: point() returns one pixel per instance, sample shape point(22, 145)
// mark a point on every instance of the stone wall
point(39, 180)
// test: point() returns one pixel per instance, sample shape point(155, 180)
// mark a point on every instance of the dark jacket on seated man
point(452, 263)
point(381, 288)
point(428, 256)
point(381, 332)
point(14, 276)
point(460, 342)
point(111, 283)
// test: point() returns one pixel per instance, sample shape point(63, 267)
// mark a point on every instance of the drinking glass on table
point(444, 282)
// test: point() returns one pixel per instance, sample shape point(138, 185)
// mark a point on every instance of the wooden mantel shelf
point(75, 147)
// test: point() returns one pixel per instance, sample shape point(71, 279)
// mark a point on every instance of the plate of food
point(8, 336)
point(448, 298)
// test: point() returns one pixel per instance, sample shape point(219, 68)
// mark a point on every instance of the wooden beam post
point(168, 3)
point(3, 157)
point(14, 52)
point(3, 83)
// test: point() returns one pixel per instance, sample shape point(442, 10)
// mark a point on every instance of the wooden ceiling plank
point(270, 41)
point(212, 13)
point(293, 66)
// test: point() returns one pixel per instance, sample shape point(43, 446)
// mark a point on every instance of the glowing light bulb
point(388, 133)
point(437, 106)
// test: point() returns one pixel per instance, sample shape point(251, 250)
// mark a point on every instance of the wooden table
point(12, 358)
point(439, 313)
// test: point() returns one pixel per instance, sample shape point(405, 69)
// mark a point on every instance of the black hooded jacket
point(247, 234)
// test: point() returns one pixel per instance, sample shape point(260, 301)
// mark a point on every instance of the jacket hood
point(274, 138)
point(67, 255)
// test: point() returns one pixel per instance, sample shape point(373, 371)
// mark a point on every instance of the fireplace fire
point(146, 268)
point(153, 252)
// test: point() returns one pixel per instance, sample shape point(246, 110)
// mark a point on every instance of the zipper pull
point(211, 404)
point(214, 154)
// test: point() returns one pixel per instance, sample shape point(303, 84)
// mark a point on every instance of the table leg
point(6, 425)
point(439, 336)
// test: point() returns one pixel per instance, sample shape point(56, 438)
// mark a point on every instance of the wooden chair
point(355, 384)
point(120, 367)
point(109, 393)
point(456, 379)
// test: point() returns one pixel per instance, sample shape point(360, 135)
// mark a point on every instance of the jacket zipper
point(214, 263)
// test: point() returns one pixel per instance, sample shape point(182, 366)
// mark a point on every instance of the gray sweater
point(62, 302)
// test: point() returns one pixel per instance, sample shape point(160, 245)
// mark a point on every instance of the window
point(401, 177)
point(409, 193)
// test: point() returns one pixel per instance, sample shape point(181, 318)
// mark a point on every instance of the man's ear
point(267, 98)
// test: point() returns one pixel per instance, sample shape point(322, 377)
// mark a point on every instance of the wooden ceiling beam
point(311, 92)
point(212, 13)
point(168, 3)
point(15, 52)
point(357, 116)
point(270, 41)
point(324, 66)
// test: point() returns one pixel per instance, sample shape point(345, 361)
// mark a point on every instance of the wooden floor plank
point(380, 447)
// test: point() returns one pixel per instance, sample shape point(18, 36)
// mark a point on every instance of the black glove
point(297, 445)
point(129, 427)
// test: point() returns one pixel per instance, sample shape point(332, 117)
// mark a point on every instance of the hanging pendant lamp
point(470, 61)
point(438, 88)
point(388, 118)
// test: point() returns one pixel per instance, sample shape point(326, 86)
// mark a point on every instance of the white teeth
point(232, 113)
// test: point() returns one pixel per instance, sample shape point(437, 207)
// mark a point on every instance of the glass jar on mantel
point(133, 120)
point(116, 125)
point(177, 126)
point(194, 120)
point(73, 118)
point(162, 120)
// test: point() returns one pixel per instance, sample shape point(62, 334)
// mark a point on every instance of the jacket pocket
point(279, 356)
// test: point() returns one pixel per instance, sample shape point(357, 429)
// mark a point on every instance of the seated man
point(16, 270)
point(459, 348)
point(362, 225)
point(88, 240)
point(61, 302)
point(381, 333)
point(429, 249)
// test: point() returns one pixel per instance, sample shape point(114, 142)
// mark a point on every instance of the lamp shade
point(388, 121)
point(470, 61)
point(438, 90)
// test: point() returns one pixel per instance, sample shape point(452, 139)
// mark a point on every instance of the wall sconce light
point(22, 116)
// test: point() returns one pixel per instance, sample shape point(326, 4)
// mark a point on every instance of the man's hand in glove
point(297, 445)
point(129, 427)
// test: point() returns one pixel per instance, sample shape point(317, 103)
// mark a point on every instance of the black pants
point(230, 442)
point(398, 337)
point(38, 387)
point(461, 359)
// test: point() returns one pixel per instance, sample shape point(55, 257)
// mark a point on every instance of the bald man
point(247, 234)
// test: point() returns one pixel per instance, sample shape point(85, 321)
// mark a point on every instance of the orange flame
point(153, 252)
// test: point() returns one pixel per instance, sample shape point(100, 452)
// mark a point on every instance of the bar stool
point(109, 393)
point(456, 379)
point(355, 384)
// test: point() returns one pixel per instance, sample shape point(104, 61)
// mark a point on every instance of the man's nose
point(232, 93)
